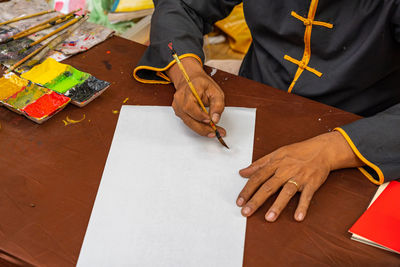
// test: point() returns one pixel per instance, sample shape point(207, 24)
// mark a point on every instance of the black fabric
point(184, 23)
point(378, 139)
point(359, 58)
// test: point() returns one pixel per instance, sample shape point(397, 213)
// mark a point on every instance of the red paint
point(46, 105)
point(108, 52)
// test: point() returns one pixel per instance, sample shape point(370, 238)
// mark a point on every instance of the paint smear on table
point(16, 50)
point(26, 96)
point(6, 33)
point(10, 85)
point(46, 105)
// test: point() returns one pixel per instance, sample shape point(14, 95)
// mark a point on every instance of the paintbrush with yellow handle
point(27, 17)
point(66, 25)
point(49, 45)
point(42, 26)
point(195, 94)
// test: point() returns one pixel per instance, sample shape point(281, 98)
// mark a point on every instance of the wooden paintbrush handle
point(66, 25)
point(48, 23)
point(41, 28)
point(27, 17)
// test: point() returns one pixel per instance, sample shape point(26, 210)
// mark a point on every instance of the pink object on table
point(66, 6)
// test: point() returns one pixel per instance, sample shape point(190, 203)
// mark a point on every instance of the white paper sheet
point(167, 196)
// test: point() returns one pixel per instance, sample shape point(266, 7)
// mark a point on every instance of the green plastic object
point(98, 14)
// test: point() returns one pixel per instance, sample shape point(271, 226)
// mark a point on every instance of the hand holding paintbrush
point(205, 115)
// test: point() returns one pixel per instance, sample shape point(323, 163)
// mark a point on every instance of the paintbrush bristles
point(194, 92)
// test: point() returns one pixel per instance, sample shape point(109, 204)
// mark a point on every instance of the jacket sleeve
point(184, 22)
point(376, 140)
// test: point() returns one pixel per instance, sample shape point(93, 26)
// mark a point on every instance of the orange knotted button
point(307, 22)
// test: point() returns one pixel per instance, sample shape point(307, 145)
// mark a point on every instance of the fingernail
point(271, 216)
point(206, 121)
point(211, 135)
point(246, 211)
point(215, 117)
point(240, 201)
point(300, 216)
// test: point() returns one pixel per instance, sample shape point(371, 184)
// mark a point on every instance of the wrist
point(192, 67)
point(339, 153)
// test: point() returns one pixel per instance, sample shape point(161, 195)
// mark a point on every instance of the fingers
point(255, 166)
point(253, 184)
point(185, 103)
point(304, 203)
point(186, 107)
point(287, 192)
point(217, 103)
point(201, 128)
point(262, 194)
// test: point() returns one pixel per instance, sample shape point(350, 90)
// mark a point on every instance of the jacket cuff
point(156, 75)
point(371, 171)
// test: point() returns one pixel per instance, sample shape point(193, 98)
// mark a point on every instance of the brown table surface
point(50, 173)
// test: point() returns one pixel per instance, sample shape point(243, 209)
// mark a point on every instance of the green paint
point(67, 80)
point(28, 95)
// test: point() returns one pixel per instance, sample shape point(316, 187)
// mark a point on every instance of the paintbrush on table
point(27, 17)
point(53, 43)
point(41, 26)
point(196, 95)
point(66, 25)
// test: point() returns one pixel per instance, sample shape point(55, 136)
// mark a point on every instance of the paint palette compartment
point(80, 86)
point(47, 88)
point(84, 93)
point(45, 107)
point(31, 100)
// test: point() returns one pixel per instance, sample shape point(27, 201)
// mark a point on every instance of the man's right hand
point(185, 104)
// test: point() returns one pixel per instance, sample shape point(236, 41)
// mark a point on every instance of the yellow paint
point(115, 111)
point(68, 121)
point(308, 23)
point(11, 84)
point(126, 100)
point(45, 72)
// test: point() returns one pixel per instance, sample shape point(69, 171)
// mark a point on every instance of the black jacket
point(342, 53)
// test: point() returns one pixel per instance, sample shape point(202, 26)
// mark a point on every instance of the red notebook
point(380, 224)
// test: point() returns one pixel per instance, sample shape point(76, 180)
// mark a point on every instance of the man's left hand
point(300, 167)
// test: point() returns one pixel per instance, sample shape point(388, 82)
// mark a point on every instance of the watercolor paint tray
point(33, 101)
point(47, 88)
point(80, 86)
